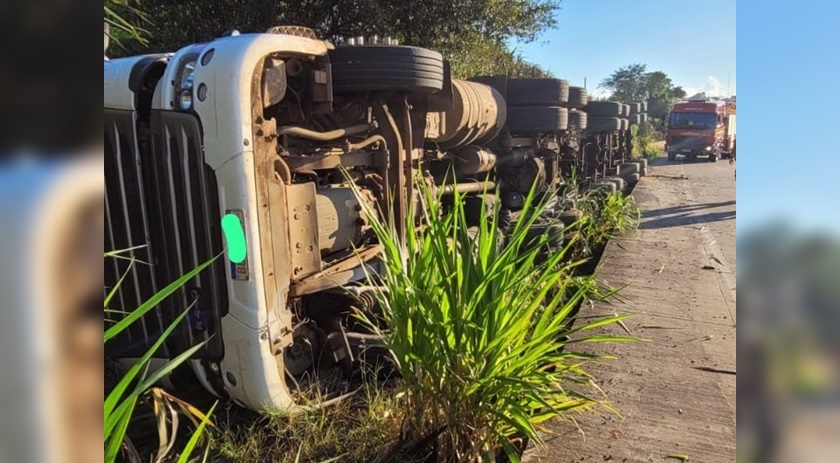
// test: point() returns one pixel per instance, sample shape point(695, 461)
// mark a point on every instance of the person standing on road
point(732, 158)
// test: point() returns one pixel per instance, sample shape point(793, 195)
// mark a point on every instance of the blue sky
point(789, 113)
point(691, 41)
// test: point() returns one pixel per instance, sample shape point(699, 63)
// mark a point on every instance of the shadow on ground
point(663, 161)
point(686, 218)
point(684, 209)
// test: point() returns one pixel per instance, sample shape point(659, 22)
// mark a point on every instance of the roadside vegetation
point(645, 141)
point(604, 217)
point(481, 331)
point(136, 385)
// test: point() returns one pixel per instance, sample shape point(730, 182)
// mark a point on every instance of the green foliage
point(480, 329)
point(645, 137)
point(471, 33)
point(361, 428)
point(634, 83)
point(605, 216)
point(123, 22)
point(122, 400)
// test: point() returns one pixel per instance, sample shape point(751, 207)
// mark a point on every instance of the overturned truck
point(271, 129)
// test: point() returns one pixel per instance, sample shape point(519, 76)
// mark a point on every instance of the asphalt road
point(675, 391)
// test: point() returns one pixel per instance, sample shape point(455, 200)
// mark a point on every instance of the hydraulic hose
point(322, 136)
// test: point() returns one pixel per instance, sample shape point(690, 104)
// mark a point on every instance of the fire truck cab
point(701, 128)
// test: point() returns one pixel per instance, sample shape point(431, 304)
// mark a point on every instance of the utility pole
point(728, 93)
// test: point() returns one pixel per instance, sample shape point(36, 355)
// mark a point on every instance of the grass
point(480, 331)
point(137, 383)
point(362, 428)
point(645, 141)
point(604, 217)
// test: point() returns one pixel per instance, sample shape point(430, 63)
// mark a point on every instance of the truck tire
point(364, 68)
point(627, 169)
point(635, 108)
point(531, 92)
point(577, 119)
point(635, 119)
point(602, 124)
point(603, 108)
point(713, 157)
point(620, 183)
point(537, 119)
point(625, 110)
point(602, 186)
point(672, 156)
point(578, 97)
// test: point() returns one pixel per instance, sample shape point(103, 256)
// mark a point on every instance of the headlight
point(185, 85)
point(185, 99)
point(708, 148)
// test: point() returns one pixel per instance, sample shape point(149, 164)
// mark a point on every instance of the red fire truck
point(701, 128)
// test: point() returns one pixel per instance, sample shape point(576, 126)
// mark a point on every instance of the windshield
point(692, 121)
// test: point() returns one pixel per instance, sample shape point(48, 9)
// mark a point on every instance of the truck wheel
point(625, 110)
point(672, 156)
point(603, 108)
point(578, 97)
point(627, 169)
point(713, 157)
point(578, 119)
point(606, 187)
point(529, 92)
point(537, 118)
point(364, 68)
point(620, 183)
point(602, 124)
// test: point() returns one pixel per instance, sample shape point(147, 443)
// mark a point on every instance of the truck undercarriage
point(278, 130)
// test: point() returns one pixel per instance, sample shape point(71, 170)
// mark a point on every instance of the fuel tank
point(478, 114)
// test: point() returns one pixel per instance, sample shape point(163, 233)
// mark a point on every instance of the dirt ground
point(676, 389)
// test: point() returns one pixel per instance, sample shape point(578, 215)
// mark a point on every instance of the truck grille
point(688, 142)
point(162, 196)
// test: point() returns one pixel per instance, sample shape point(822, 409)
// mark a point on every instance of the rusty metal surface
point(338, 274)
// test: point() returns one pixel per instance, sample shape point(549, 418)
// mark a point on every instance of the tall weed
point(481, 329)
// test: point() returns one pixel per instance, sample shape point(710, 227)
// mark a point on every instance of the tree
point(472, 34)
point(634, 83)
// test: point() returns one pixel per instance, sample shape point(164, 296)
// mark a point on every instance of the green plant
point(122, 22)
point(480, 331)
point(360, 428)
point(645, 137)
point(122, 400)
point(604, 216)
